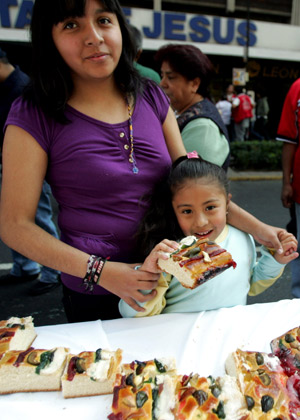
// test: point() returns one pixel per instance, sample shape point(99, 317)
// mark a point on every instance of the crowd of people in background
point(245, 114)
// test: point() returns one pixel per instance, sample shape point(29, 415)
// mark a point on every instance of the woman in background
point(186, 73)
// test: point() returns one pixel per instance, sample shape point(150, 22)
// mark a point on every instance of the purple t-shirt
point(100, 198)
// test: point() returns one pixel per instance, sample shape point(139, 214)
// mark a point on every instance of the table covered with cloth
point(200, 343)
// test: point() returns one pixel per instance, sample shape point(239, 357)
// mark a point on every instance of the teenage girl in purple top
point(102, 137)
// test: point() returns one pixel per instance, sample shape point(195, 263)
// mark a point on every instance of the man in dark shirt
point(12, 83)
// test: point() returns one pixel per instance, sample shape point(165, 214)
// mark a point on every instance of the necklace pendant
point(135, 170)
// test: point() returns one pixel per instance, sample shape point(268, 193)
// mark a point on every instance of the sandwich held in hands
point(196, 261)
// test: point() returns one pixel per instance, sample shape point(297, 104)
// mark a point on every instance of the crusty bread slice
point(200, 397)
point(91, 373)
point(195, 264)
point(264, 384)
point(145, 390)
point(16, 334)
point(32, 370)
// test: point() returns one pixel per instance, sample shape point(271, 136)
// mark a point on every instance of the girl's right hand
point(161, 250)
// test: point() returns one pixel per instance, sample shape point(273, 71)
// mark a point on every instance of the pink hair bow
point(192, 155)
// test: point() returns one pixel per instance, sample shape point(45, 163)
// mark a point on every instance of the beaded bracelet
point(94, 269)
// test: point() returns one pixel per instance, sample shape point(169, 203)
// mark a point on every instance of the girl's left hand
point(289, 245)
point(159, 251)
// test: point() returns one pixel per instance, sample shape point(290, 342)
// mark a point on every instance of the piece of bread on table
point(264, 384)
point(208, 397)
point(287, 348)
point(196, 261)
point(91, 373)
point(16, 334)
point(145, 390)
point(32, 370)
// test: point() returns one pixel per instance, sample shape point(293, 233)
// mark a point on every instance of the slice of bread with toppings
point(145, 390)
point(209, 398)
point(91, 373)
point(32, 370)
point(196, 261)
point(264, 384)
point(16, 334)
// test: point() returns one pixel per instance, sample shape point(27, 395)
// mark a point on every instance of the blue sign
point(23, 17)
point(165, 25)
point(172, 26)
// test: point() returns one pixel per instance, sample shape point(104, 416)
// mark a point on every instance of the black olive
point(220, 411)
point(140, 367)
point(200, 396)
point(267, 403)
point(98, 355)
point(33, 358)
point(154, 399)
point(289, 338)
point(250, 402)
point(214, 387)
point(215, 390)
point(259, 358)
point(192, 252)
point(80, 365)
point(212, 379)
point(141, 398)
point(282, 346)
point(265, 379)
point(15, 326)
point(159, 366)
point(129, 380)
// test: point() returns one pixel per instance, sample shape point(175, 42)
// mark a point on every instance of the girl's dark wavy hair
point(160, 221)
point(52, 85)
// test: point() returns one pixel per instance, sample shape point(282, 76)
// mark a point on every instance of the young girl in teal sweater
point(194, 201)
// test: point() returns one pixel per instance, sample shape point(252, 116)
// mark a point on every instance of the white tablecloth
point(200, 342)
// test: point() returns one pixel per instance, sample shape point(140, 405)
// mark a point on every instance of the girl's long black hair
point(52, 85)
point(160, 221)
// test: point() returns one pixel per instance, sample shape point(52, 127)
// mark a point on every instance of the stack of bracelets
point(94, 269)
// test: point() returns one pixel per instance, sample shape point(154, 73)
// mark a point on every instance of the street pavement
point(259, 194)
point(256, 192)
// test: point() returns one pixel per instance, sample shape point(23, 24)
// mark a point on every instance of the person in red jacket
point(289, 133)
point(241, 113)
